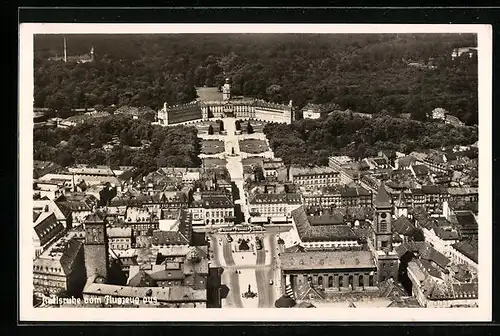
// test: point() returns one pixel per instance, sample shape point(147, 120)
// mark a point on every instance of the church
point(341, 270)
point(212, 104)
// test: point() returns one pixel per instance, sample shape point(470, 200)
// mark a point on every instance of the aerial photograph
point(249, 170)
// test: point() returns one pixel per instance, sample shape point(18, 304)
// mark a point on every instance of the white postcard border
point(28, 313)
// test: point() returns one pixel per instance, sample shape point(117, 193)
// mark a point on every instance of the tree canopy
point(309, 141)
point(119, 141)
point(367, 73)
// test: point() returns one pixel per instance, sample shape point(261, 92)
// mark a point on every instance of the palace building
point(213, 104)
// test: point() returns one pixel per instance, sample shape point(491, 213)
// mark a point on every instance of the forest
point(311, 142)
point(134, 143)
point(368, 73)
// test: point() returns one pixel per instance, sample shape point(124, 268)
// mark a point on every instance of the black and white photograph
point(219, 166)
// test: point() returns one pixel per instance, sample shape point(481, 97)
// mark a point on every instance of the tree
point(249, 128)
point(237, 124)
point(106, 195)
point(221, 126)
point(210, 130)
point(258, 173)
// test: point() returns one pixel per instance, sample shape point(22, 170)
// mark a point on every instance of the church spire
point(382, 199)
point(401, 202)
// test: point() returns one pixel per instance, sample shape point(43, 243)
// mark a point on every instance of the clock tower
point(381, 242)
point(96, 246)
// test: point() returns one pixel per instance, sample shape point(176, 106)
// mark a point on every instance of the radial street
point(245, 268)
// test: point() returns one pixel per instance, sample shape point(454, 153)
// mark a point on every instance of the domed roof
point(285, 302)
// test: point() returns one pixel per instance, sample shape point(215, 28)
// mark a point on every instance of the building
point(61, 212)
point(333, 271)
point(466, 225)
point(46, 230)
point(213, 208)
point(273, 205)
point(60, 270)
point(401, 206)
point(381, 242)
point(343, 165)
point(175, 267)
point(440, 233)
point(317, 111)
point(469, 51)
point(48, 189)
point(433, 288)
point(327, 231)
point(119, 238)
point(465, 252)
point(314, 177)
point(96, 248)
point(80, 204)
point(338, 196)
point(226, 105)
point(274, 170)
point(106, 295)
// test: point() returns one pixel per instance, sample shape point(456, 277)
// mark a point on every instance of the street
point(246, 272)
point(243, 268)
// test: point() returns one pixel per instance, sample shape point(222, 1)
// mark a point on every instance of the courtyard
point(203, 126)
point(257, 125)
point(211, 147)
point(253, 146)
point(214, 163)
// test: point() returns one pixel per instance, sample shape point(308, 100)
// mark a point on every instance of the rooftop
point(119, 232)
point(468, 249)
point(327, 260)
point(59, 259)
point(294, 170)
point(169, 238)
point(175, 294)
point(382, 199)
point(283, 198)
point(320, 232)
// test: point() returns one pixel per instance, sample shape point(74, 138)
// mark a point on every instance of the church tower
point(96, 246)
point(387, 259)
point(226, 91)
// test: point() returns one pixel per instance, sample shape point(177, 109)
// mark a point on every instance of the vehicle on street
point(258, 243)
point(271, 282)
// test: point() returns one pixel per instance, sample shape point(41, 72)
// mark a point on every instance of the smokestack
point(65, 54)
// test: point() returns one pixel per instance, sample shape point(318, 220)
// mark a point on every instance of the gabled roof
point(69, 256)
point(337, 259)
point(96, 217)
point(382, 199)
point(467, 248)
point(169, 238)
point(402, 225)
point(306, 291)
point(142, 279)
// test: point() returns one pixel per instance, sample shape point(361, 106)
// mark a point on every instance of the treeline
point(131, 143)
point(363, 72)
point(307, 141)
